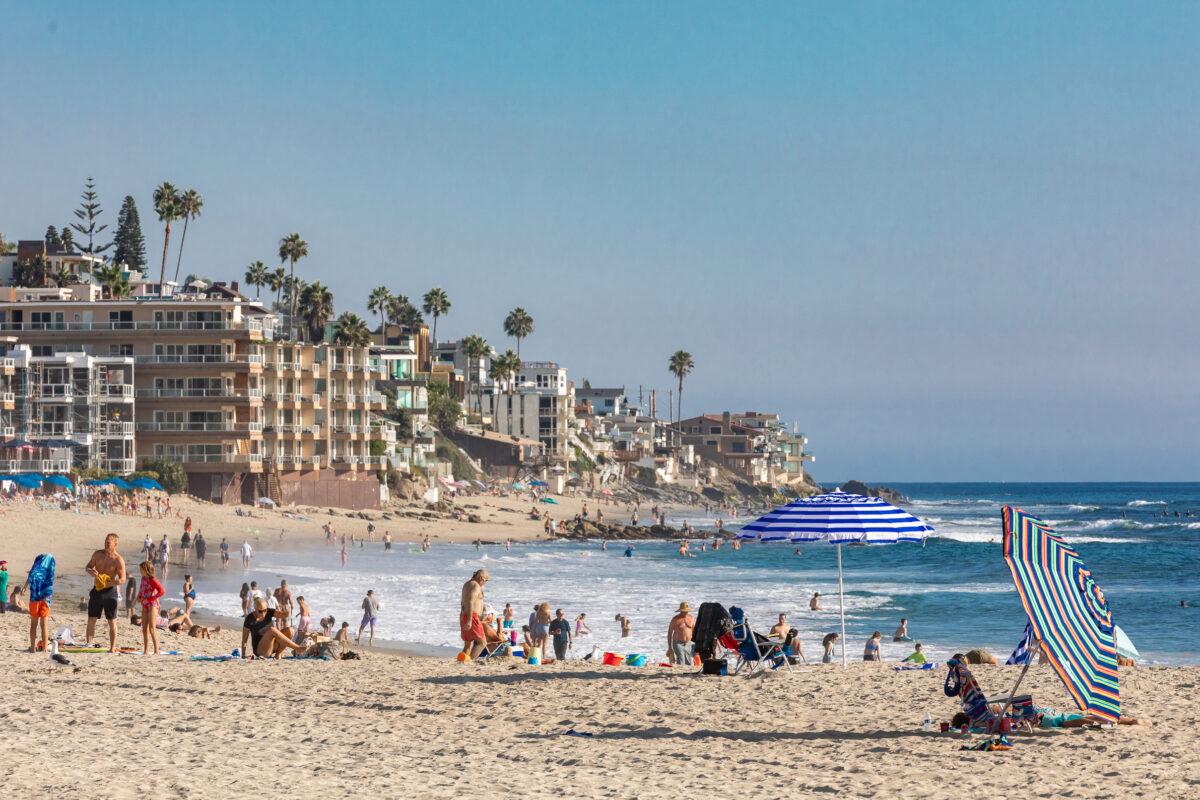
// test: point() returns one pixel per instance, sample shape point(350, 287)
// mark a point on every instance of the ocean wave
point(1146, 503)
point(1117, 524)
point(1078, 508)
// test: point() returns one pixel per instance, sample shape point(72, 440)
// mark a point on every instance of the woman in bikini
point(871, 651)
point(149, 593)
point(189, 594)
point(305, 619)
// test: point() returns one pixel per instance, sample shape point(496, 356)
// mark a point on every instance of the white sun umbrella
point(838, 518)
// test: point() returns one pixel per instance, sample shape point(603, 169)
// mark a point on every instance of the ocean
point(955, 590)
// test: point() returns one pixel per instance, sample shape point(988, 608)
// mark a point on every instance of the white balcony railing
point(211, 458)
point(8, 363)
point(317, 399)
point(314, 462)
point(8, 431)
point(8, 397)
point(35, 465)
point(113, 428)
point(120, 465)
point(350, 428)
point(197, 393)
point(198, 358)
point(52, 429)
point(135, 325)
point(119, 391)
point(201, 427)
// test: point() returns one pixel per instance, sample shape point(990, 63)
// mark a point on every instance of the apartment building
point(754, 444)
point(76, 403)
point(246, 416)
point(539, 405)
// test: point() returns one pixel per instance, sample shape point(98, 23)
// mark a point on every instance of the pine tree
point(130, 246)
point(53, 240)
point(67, 239)
point(88, 212)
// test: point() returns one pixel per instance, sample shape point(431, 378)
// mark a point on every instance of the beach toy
point(612, 660)
point(635, 660)
point(533, 661)
point(534, 656)
point(461, 657)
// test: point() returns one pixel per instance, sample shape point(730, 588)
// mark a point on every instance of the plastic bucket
point(534, 661)
point(612, 660)
point(635, 660)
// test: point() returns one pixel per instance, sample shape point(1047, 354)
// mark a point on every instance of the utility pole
point(670, 404)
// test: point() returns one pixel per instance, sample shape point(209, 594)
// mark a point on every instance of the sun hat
point(684, 606)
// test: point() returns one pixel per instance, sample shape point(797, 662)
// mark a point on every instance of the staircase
point(271, 472)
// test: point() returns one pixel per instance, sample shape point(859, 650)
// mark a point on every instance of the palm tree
point(316, 303)
point(291, 249)
point(474, 347)
point(112, 280)
point(190, 203)
point(402, 312)
point(437, 303)
point(168, 204)
point(276, 281)
point(378, 302)
point(680, 365)
point(258, 277)
point(518, 324)
point(350, 330)
point(505, 368)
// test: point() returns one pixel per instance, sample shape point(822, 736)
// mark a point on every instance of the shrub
point(170, 474)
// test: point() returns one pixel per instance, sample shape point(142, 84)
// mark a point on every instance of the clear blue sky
point(954, 243)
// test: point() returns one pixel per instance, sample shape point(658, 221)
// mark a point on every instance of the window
point(714, 429)
point(120, 349)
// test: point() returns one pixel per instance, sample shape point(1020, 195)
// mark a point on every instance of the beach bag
point(715, 666)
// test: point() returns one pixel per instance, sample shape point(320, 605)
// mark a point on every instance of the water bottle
point(927, 725)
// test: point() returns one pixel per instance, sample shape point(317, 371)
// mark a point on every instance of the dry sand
point(388, 726)
point(133, 726)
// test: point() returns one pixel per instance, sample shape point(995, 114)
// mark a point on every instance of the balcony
point(35, 465)
point(345, 398)
point(314, 462)
point(211, 458)
point(137, 325)
point(283, 397)
point(115, 429)
point(351, 429)
point(374, 462)
point(311, 430)
point(344, 462)
point(122, 466)
point(200, 427)
point(386, 433)
point(8, 398)
point(51, 430)
point(199, 358)
point(231, 393)
point(116, 391)
point(317, 400)
point(8, 364)
point(8, 431)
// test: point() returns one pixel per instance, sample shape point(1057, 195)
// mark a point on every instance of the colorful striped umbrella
point(1067, 610)
point(838, 518)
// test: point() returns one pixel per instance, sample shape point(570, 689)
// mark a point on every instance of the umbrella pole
point(1033, 651)
point(842, 604)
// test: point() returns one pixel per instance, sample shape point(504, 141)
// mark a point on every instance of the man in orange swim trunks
point(470, 614)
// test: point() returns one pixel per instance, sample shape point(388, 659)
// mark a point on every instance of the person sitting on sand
point(901, 634)
point(343, 634)
point(871, 650)
point(266, 641)
point(917, 656)
point(527, 637)
point(980, 656)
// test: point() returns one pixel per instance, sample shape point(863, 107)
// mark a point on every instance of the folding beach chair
point(753, 649)
point(984, 711)
point(493, 649)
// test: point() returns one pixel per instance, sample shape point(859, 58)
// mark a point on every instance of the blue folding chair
point(754, 650)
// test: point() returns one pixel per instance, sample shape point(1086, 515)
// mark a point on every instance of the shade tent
point(61, 480)
point(1068, 612)
point(838, 518)
point(143, 482)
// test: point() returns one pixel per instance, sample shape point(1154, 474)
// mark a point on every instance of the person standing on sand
point(164, 555)
point(679, 635)
point(370, 606)
point(201, 548)
point(247, 552)
point(283, 598)
point(107, 569)
point(224, 552)
point(3, 587)
point(147, 546)
point(560, 633)
point(150, 592)
point(829, 640)
point(470, 613)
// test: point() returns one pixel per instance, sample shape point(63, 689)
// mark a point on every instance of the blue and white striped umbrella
point(838, 518)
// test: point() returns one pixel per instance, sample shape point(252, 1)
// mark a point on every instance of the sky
point(951, 241)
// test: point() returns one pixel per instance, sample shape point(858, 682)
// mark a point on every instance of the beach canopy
point(61, 480)
point(538, 483)
point(1067, 611)
point(838, 518)
point(120, 483)
point(142, 482)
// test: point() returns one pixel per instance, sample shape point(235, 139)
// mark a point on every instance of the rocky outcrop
point(587, 529)
point(882, 492)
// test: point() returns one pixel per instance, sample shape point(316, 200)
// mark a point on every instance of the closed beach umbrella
point(838, 518)
point(1125, 647)
point(1067, 610)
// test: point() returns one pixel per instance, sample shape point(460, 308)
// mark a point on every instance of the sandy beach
point(126, 726)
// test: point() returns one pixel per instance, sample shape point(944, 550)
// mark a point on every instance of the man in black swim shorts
point(107, 569)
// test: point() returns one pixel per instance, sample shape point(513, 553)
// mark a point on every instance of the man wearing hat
point(679, 635)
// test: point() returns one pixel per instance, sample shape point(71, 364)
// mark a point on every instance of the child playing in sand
point(150, 592)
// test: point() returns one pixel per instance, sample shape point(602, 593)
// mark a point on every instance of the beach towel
point(214, 658)
point(916, 667)
point(41, 578)
point(712, 621)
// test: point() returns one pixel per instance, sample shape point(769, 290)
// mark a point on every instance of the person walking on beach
point(189, 594)
point(201, 548)
point(147, 546)
point(470, 614)
point(224, 553)
point(164, 555)
point(244, 594)
point(185, 546)
point(560, 634)
point(370, 606)
point(3, 587)
point(107, 569)
point(247, 552)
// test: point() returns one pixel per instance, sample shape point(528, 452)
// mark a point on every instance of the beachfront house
point(601, 402)
point(540, 404)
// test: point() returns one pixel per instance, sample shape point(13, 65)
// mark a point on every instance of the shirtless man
point(779, 629)
point(283, 598)
point(470, 616)
point(814, 603)
point(107, 569)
